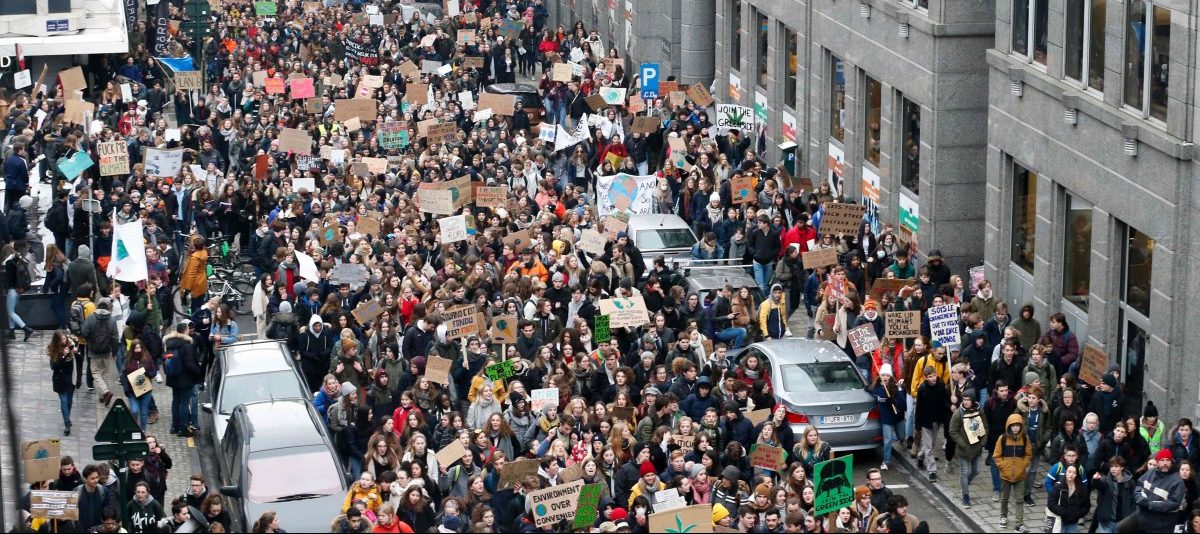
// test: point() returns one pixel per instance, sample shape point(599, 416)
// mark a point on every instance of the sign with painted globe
point(625, 192)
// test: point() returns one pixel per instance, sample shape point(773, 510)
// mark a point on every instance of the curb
point(950, 501)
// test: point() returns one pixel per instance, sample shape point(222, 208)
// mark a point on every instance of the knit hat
point(695, 471)
point(1030, 376)
point(452, 523)
point(348, 388)
point(1164, 454)
point(719, 512)
point(886, 369)
point(646, 468)
point(26, 202)
point(703, 382)
point(1151, 410)
point(652, 391)
point(715, 197)
point(731, 473)
point(558, 277)
point(608, 526)
point(285, 307)
point(1110, 380)
point(419, 361)
point(619, 514)
point(84, 252)
point(871, 304)
point(861, 491)
point(763, 489)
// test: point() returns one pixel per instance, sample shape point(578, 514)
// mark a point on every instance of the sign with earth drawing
point(832, 481)
point(623, 192)
point(733, 116)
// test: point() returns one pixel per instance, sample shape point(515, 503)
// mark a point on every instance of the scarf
point(714, 214)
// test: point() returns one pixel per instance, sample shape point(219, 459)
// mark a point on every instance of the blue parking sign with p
point(649, 80)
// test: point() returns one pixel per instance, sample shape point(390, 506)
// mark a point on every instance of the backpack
point(23, 280)
point(101, 339)
point(174, 364)
point(75, 318)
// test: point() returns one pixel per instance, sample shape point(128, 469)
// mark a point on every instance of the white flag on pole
point(128, 258)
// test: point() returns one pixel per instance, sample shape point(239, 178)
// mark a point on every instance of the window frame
point(916, 4)
point(762, 48)
point(1146, 110)
point(1085, 63)
point(1031, 33)
point(1069, 199)
point(18, 7)
point(1016, 174)
point(791, 66)
point(735, 39)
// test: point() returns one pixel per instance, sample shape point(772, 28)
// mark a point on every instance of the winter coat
point(1158, 497)
point(143, 516)
point(194, 279)
point(1013, 452)
point(996, 412)
point(1064, 348)
point(1071, 507)
point(181, 346)
point(958, 432)
point(1041, 434)
point(891, 406)
point(933, 402)
point(1114, 498)
point(61, 374)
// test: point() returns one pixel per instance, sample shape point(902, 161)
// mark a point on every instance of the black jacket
point(764, 247)
point(1071, 507)
point(181, 345)
point(416, 342)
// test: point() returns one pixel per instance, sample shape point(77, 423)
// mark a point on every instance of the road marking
point(192, 444)
point(898, 486)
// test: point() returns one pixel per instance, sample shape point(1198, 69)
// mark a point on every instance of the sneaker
point(1029, 501)
point(966, 501)
point(995, 496)
point(159, 378)
point(933, 477)
point(1021, 528)
point(1003, 521)
point(1037, 484)
point(152, 418)
point(28, 332)
point(883, 467)
point(91, 389)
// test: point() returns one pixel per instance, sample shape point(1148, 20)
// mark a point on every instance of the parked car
point(250, 371)
point(705, 280)
point(276, 456)
point(820, 386)
point(528, 99)
point(662, 235)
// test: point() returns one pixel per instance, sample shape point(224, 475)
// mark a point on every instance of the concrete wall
point(648, 31)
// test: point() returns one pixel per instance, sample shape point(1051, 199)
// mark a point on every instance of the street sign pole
point(120, 439)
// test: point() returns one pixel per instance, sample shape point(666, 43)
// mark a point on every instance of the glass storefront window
point(1077, 256)
point(874, 106)
point(837, 99)
point(1139, 255)
point(1024, 217)
point(910, 177)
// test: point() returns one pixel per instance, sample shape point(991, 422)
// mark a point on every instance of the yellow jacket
point(764, 311)
point(370, 496)
point(918, 372)
point(194, 278)
point(477, 384)
point(637, 490)
point(88, 308)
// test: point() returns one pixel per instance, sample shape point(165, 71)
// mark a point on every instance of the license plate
point(834, 419)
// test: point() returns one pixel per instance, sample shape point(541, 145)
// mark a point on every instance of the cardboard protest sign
point(452, 453)
point(694, 519)
point(863, 339)
point(902, 325)
point(625, 312)
point(376, 165)
point(589, 503)
point(687, 444)
point(832, 480)
point(417, 94)
point(60, 505)
point(842, 218)
point(367, 311)
point(72, 80)
point(943, 325)
point(667, 87)
point(624, 413)
point(601, 330)
point(75, 110)
point(500, 371)
point(466, 36)
point(188, 80)
point(363, 108)
point(274, 86)
point(1093, 364)
point(561, 72)
point(303, 88)
point(973, 425)
point(757, 416)
point(769, 458)
point(491, 197)
point(822, 257)
point(500, 104)
point(700, 95)
point(741, 189)
point(554, 504)
point(39, 459)
point(539, 399)
point(514, 472)
point(460, 321)
point(614, 226)
point(668, 499)
point(517, 240)
point(473, 62)
point(592, 242)
point(435, 201)
point(596, 102)
point(258, 77)
point(114, 158)
point(887, 285)
point(295, 140)
point(313, 105)
point(504, 329)
point(646, 124)
point(437, 369)
point(139, 382)
point(442, 131)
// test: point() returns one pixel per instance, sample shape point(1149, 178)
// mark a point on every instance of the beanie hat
point(26, 202)
point(646, 468)
point(1110, 380)
point(719, 512)
point(695, 471)
point(1151, 410)
point(348, 388)
point(861, 491)
point(763, 489)
point(285, 307)
point(871, 304)
point(618, 514)
point(1164, 454)
point(886, 369)
point(1030, 376)
point(731, 473)
point(715, 197)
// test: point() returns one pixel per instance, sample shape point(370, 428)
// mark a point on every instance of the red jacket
point(798, 236)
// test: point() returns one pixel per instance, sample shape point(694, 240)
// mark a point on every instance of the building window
point(837, 99)
point(792, 59)
point(874, 106)
point(921, 4)
point(18, 7)
point(763, 34)
point(1024, 217)
point(910, 177)
point(1085, 41)
point(58, 6)
point(735, 49)
point(1030, 20)
point(1147, 58)
point(1077, 256)
point(1139, 253)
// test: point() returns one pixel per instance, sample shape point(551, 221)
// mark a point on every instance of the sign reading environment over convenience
point(943, 325)
point(735, 117)
point(622, 192)
point(555, 504)
point(625, 312)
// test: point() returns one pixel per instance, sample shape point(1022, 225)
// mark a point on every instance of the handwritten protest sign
point(694, 519)
point(902, 325)
point(436, 201)
point(363, 108)
point(514, 472)
point(539, 399)
point(589, 503)
point(769, 458)
point(842, 218)
point(114, 158)
point(61, 505)
point(943, 325)
point(437, 369)
point(188, 80)
point(452, 453)
point(832, 480)
point(491, 196)
point(504, 329)
point(819, 258)
point(500, 371)
point(274, 86)
point(460, 321)
point(592, 242)
point(295, 140)
point(303, 88)
point(625, 312)
point(741, 189)
point(555, 504)
point(367, 311)
point(863, 339)
point(40, 459)
point(453, 229)
point(601, 331)
point(1093, 364)
point(700, 95)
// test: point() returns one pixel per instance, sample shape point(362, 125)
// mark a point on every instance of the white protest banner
point(943, 325)
point(128, 256)
point(613, 96)
point(622, 192)
point(540, 399)
point(592, 242)
point(308, 184)
point(733, 116)
point(454, 229)
point(22, 79)
point(308, 267)
point(163, 163)
point(564, 140)
point(554, 504)
point(668, 499)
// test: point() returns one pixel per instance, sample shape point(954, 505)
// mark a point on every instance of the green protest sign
point(832, 481)
point(266, 9)
point(600, 332)
point(589, 501)
point(500, 371)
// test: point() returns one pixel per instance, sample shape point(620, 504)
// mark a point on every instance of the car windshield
point(240, 389)
point(821, 377)
point(283, 474)
point(665, 238)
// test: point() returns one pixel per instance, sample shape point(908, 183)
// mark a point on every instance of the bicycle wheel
point(244, 291)
point(245, 270)
point(178, 302)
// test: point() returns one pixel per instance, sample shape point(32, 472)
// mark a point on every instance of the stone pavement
point(38, 417)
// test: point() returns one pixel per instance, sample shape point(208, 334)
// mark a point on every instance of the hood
point(312, 321)
point(175, 339)
point(149, 502)
point(137, 320)
point(102, 314)
point(974, 335)
point(1014, 419)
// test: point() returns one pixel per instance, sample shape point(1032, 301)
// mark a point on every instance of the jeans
point(983, 397)
point(183, 408)
point(909, 421)
point(140, 406)
point(995, 477)
point(81, 363)
point(10, 305)
point(66, 400)
point(1106, 527)
point(762, 276)
point(968, 470)
point(197, 302)
point(355, 465)
point(1006, 492)
point(735, 335)
point(1030, 474)
point(58, 303)
point(1065, 527)
point(889, 437)
point(929, 436)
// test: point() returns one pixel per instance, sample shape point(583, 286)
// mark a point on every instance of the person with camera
point(62, 362)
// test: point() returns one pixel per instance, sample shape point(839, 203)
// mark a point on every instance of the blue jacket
point(16, 174)
point(739, 430)
point(811, 285)
point(890, 411)
point(694, 405)
point(321, 401)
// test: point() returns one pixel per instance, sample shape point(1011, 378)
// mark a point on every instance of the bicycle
point(234, 288)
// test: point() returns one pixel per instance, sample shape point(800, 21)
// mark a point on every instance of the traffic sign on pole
point(120, 439)
point(649, 79)
point(119, 425)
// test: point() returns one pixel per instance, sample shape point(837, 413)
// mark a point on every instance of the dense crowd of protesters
point(1010, 397)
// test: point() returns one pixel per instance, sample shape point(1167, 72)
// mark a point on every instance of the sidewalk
point(38, 417)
